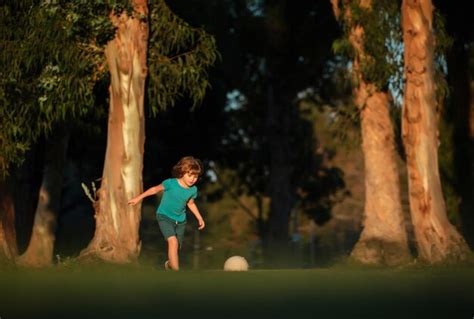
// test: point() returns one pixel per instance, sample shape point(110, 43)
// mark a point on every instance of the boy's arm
point(151, 191)
point(193, 208)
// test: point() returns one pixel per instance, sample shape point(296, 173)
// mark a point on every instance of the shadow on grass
point(144, 292)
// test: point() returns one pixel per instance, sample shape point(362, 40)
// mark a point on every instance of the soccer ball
point(236, 263)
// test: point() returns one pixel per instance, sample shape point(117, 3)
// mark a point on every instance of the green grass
point(145, 292)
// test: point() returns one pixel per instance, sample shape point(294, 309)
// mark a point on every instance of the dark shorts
point(169, 227)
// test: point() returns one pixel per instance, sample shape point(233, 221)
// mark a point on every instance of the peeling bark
point(437, 239)
point(383, 239)
point(116, 237)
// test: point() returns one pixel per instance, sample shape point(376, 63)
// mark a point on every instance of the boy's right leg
point(173, 258)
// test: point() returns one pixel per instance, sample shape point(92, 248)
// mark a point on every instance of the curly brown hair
point(187, 164)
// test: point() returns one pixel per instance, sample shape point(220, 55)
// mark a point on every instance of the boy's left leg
point(173, 232)
point(173, 258)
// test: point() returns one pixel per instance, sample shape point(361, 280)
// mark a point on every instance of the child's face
point(190, 178)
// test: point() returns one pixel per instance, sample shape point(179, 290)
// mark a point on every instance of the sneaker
point(167, 265)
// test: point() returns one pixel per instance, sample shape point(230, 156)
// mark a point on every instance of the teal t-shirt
point(174, 199)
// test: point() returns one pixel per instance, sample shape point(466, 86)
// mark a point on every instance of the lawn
point(147, 292)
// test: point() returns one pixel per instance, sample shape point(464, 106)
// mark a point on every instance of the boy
point(178, 192)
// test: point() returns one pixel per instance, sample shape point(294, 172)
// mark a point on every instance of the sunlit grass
point(147, 292)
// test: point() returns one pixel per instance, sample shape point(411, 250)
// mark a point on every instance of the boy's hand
point(201, 223)
point(133, 201)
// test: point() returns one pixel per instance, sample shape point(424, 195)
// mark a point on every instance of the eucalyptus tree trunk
point(8, 245)
point(116, 237)
point(39, 252)
point(437, 239)
point(383, 239)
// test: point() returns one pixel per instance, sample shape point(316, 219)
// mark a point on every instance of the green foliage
point(443, 42)
point(48, 74)
point(179, 56)
point(89, 20)
point(343, 46)
point(52, 61)
point(382, 62)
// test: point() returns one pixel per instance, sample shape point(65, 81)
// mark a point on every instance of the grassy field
point(145, 292)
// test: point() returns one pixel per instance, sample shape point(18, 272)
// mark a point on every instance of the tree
point(46, 78)
point(270, 145)
point(437, 239)
point(458, 118)
point(9, 249)
point(41, 246)
point(383, 239)
point(65, 75)
point(116, 237)
point(177, 62)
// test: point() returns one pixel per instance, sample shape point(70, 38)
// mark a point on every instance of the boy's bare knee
point(173, 241)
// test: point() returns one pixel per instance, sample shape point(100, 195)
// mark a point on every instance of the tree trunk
point(437, 240)
point(116, 237)
point(41, 246)
point(471, 112)
point(467, 207)
point(8, 249)
point(383, 239)
point(280, 190)
point(460, 117)
point(25, 182)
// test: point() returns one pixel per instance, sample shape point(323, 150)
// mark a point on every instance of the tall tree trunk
point(116, 237)
point(437, 240)
point(471, 112)
point(468, 209)
point(8, 245)
point(40, 249)
point(460, 112)
point(383, 239)
point(25, 184)
point(280, 190)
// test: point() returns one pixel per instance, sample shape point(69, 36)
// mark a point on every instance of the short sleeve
point(167, 183)
point(195, 194)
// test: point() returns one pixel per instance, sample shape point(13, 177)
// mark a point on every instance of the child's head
point(187, 164)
